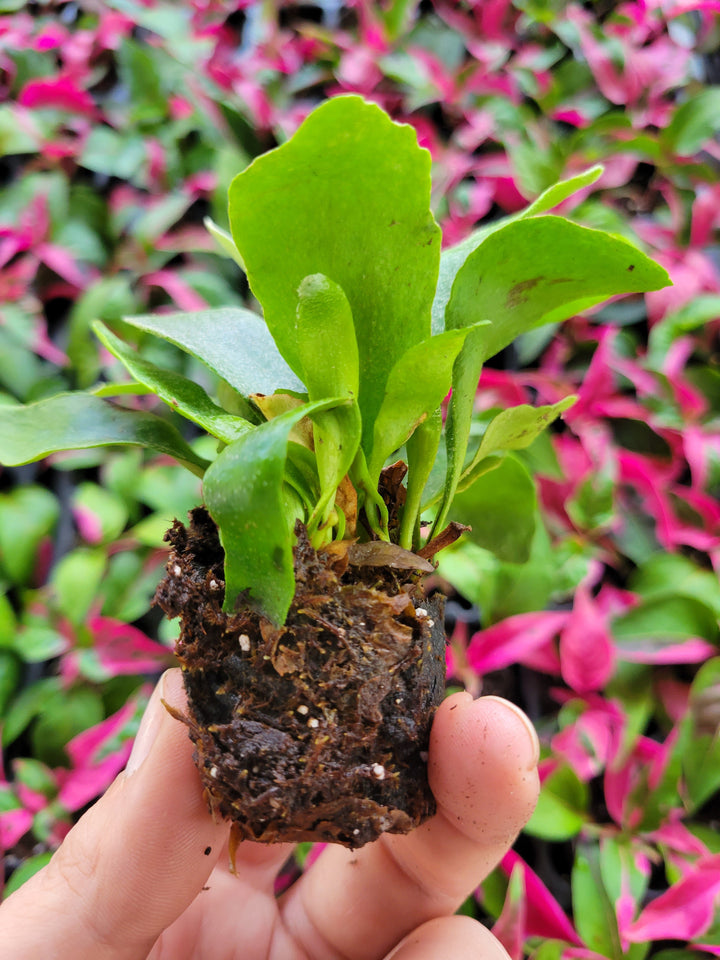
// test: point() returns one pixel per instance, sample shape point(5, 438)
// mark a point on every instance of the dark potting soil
point(316, 730)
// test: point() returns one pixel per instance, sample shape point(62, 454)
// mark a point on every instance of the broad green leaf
point(181, 394)
point(593, 912)
point(243, 490)
point(454, 257)
point(27, 516)
point(75, 421)
point(531, 268)
point(529, 272)
point(562, 807)
point(328, 354)
point(500, 507)
point(515, 429)
point(232, 341)
point(347, 196)
point(416, 386)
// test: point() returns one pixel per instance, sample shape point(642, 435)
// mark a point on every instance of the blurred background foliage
point(121, 125)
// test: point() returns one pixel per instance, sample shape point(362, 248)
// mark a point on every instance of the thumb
point(132, 864)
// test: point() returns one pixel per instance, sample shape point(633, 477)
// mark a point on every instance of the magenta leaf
point(686, 910)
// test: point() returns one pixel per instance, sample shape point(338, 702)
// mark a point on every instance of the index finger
point(483, 772)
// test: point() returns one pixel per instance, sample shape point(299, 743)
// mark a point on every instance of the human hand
point(144, 874)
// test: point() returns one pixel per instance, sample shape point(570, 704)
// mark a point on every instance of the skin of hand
point(144, 874)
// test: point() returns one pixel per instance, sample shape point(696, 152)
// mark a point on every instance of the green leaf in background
point(76, 579)
point(181, 394)
point(593, 911)
point(243, 490)
point(698, 745)
point(416, 386)
point(38, 642)
point(658, 623)
point(328, 354)
point(108, 299)
point(500, 507)
point(62, 718)
point(27, 516)
point(671, 574)
point(232, 341)
point(25, 707)
point(75, 421)
point(28, 868)
point(693, 123)
point(454, 257)
point(562, 808)
point(10, 675)
point(105, 512)
point(376, 237)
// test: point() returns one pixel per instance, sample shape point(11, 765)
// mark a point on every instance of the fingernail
point(148, 730)
point(533, 742)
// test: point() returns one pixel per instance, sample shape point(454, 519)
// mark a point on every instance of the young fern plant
point(312, 659)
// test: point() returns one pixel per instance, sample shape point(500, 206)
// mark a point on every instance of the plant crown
point(367, 328)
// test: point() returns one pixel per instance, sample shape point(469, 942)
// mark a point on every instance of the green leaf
point(26, 706)
point(27, 516)
point(232, 341)
point(76, 579)
point(64, 717)
point(529, 272)
point(421, 447)
point(662, 622)
point(243, 490)
point(671, 574)
point(593, 912)
point(561, 811)
point(530, 268)
point(224, 241)
point(10, 674)
point(416, 386)
point(36, 643)
point(107, 509)
point(181, 394)
point(693, 123)
point(515, 429)
point(500, 507)
point(28, 868)
point(328, 354)
point(75, 421)
point(376, 236)
point(454, 257)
